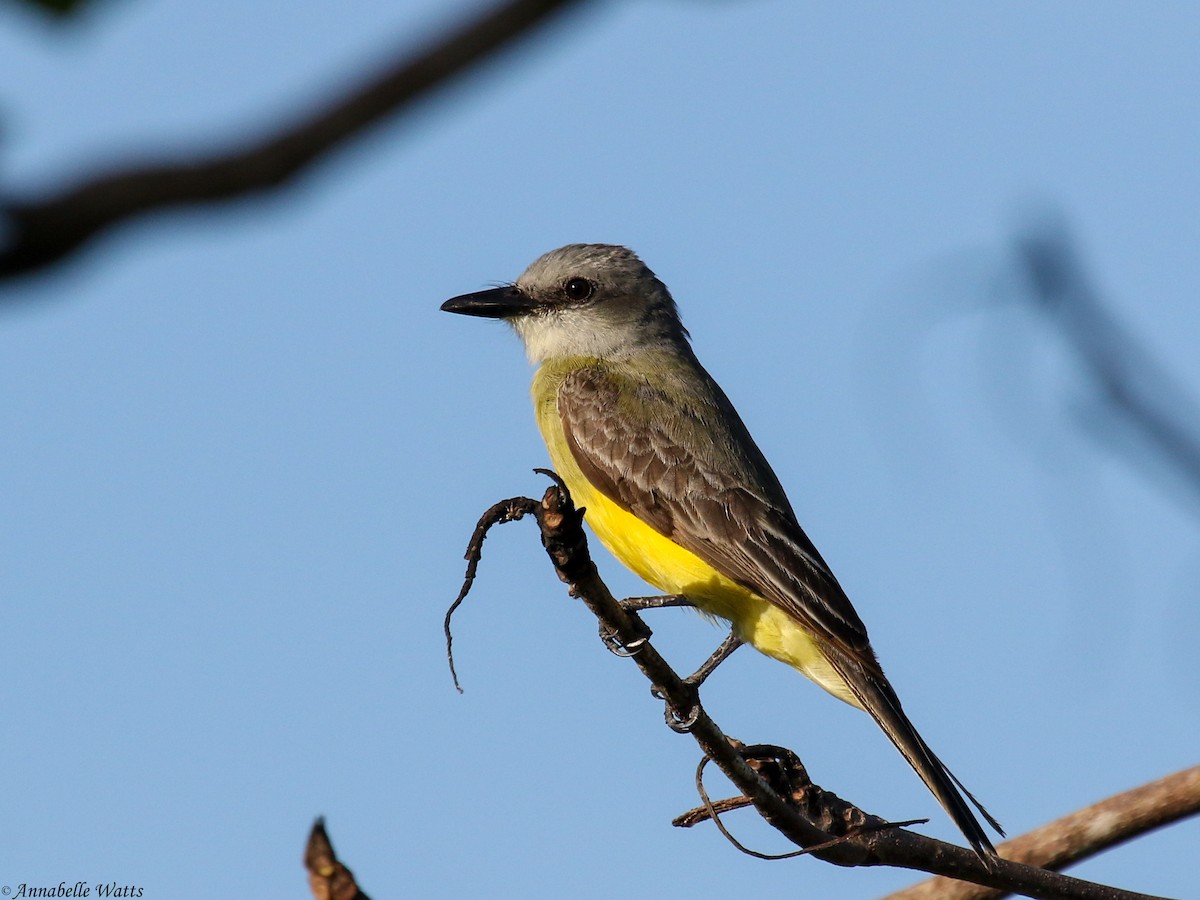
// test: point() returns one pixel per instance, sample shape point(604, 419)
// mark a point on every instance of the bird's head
point(590, 300)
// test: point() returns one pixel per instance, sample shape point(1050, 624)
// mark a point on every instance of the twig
point(41, 232)
point(1082, 834)
point(505, 511)
point(835, 832)
point(703, 813)
point(328, 876)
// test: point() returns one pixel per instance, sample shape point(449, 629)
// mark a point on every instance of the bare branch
point(772, 779)
point(39, 233)
point(1082, 834)
point(1143, 407)
point(328, 876)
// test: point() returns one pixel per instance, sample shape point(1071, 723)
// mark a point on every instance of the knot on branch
point(835, 823)
point(782, 769)
point(562, 532)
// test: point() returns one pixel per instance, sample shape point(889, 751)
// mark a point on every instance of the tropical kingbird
point(676, 488)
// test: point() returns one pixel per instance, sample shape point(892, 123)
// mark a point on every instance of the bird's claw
point(618, 647)
point(678, 722)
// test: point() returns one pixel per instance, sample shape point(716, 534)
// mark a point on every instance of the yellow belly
point(672, 569)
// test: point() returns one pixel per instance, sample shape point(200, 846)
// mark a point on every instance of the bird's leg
point(681, 720)
point(635, 605)
point(661, 601)
point(719, 656)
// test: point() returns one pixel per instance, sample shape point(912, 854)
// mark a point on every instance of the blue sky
point(241, 451)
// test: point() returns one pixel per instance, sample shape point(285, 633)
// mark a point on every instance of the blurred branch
point(1082, 834)
point(39, 233)
point(328, 876)
point(61, 9)
point(1136, 398)
point(771, 778)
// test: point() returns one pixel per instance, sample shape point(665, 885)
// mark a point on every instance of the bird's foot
point(679, 720)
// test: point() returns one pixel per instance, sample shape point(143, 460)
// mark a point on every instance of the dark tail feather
point(878, 698)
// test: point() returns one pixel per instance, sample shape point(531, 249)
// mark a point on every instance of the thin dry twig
point(699, 814)
point(328, 876)
point(836, 832)
point(715, 817)
point(505, 511)
point(41, 232)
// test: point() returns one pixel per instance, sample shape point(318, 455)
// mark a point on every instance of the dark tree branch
point(60, 9)
point(1082, 834)
point(328, 876)
point(38, 233)
point(772, 780)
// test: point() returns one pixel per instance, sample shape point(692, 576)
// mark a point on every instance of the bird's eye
point(578, 289)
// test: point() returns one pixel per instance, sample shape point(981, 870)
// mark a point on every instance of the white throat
point(555, 335)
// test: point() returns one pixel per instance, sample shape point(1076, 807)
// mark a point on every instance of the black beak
point(498, 303)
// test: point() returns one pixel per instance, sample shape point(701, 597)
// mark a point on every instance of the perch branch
point(771, 779)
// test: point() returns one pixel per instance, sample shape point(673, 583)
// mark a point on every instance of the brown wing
point(676, 455)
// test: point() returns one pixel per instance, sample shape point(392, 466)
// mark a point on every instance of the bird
point(675, 487)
